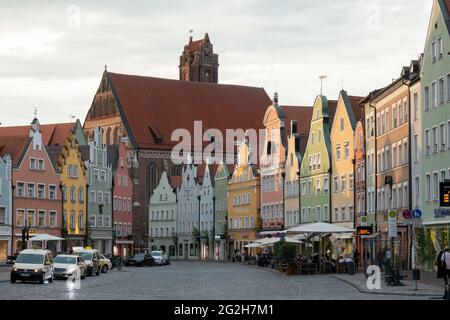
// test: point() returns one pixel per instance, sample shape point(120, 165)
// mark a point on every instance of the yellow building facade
point(244, 209)
point(342, 181)
point(74, 189)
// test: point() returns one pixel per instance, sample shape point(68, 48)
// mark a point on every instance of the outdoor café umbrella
point(44, 238)
point(268, 242)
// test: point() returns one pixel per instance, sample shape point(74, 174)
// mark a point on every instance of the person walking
point(356, 259)
point(445, 264)
point(440, 270)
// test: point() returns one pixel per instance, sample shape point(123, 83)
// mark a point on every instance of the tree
point(285, 251)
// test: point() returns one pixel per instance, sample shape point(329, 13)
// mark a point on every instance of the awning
point(45, 237)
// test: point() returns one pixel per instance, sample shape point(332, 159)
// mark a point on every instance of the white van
point(91, 257)
point(33, 265)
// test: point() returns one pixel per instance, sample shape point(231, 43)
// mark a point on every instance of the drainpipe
point(376, 170)
point(63, 231)
point(283, 178)
point(87, 215)
point(13, 188)
point(299, 200)
point(214, 229)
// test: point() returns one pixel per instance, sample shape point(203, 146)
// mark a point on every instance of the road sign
point(417, 213)
point(407, 214)
point(364, 221)
point(444, 193)
point(392, 224)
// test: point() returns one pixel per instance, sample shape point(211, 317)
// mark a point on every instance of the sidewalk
point(4, 273)
point(428, 286)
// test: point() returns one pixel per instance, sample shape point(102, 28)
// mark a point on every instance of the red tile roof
point(14, 146)
point(357, 110)
point(303, 116)
point(52, 134)
point(447, 3)
point(172, 104)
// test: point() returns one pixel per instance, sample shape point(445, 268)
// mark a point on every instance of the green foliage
point(285, 251)
point(422, 246)
point(431, 253)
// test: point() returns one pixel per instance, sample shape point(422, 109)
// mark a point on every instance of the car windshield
point(65, 260)
point(84, 255)
point(157, 253)
point(140, 256)
point(30, 258)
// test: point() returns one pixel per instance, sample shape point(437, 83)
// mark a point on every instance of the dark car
point(141, 259)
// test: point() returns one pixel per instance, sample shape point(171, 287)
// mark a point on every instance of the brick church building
point(146, 110)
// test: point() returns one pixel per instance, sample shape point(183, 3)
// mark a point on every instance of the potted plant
point(286, 252)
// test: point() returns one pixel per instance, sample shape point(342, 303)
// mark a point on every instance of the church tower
point(198, 62)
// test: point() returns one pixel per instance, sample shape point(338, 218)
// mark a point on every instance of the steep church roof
point(152, 108)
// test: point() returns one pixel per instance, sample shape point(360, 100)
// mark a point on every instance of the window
point(394, 117)
point(350, 211)
point(338, 152)
point(336, 214)
point(99, 197)
point(318, 186)
point(32, 164)
point(102, 175)
point(70, 170)
point(52, 192)
point(405, 195)
point(440, 48)
point(448, 134)
point(64, 193)
point(405, 151)
point(433, 52)
point(434, 95)
point(72, 220)
point(427, 99)
point(20, 217)
point(435, 186)
point(41, 165)
point(80, 194)
point(100, 221)
point(416, 147)
point(95, 174)
point(72, 194)
point(41, 191)
point(2, 216)
point(343, 213)
point(30, 218)
point(416, 190)
point(428, 187)
point(319, 135)
point(442, 176)
point(325, 213)
point(92, 196)
point(435, 139)
point(427, 142)
point(448, 87)
point(41, 218)
point(394, 155)
point(394, 198)
point(106, 199)
point(441, 91)
point(75, 171)
point(20, 189)
point(318, 213)
point(31, 190)
point(52, 215)
point(350, 181)
point(107, 221)
point(312, 137)
point(442, 136)
point(346, 150)
point(400, 154)
point(343, 183)
point(336, 184)
point(325, 185)
point(405, 110)
point(415, 104)
point(92, 221)
point(125, 181)
point(341, 126)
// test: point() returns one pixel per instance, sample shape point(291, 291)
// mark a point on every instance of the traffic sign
point(417, 213)
point(392, 224)
point(364, 220)
point(407, 214)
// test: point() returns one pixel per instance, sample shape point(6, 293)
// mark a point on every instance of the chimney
point(293, 127)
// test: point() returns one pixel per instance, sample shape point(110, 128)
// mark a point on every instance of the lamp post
point(199, 230)
point(283, 178)
point(214, 229)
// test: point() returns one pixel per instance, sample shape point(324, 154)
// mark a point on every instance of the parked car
point(160, 257)
point(92, 259)
point(69, 265)
point(33, 265)
point(105, 264)
point(141, 259)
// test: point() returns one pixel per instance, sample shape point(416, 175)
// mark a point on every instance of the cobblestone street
point(195, 281)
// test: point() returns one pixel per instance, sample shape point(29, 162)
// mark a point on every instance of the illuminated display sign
point(444, 194)
point(364, 231)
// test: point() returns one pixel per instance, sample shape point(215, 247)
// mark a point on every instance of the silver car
point(160, 257)
point(69, 265)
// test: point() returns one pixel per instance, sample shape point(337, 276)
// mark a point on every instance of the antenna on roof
point(35, 112)
point(191, 31)
point(106, 67)
point(72, 117)
point(321, 83)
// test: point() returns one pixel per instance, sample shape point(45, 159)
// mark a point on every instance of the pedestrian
point(446, 267)
point(380, 259)
point(387, 260)
point(439, 264)
point(356, 259)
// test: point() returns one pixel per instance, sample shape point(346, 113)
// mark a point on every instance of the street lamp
point(199, 230)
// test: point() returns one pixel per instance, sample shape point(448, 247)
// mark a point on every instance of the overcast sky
point(52, 53)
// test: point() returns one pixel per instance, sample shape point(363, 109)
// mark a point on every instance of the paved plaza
point(195, 280)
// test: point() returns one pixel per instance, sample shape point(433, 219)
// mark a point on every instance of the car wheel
point(97, 273)
point(105, 269)
point(41, 280)
point(89, 273)
point(50, 280)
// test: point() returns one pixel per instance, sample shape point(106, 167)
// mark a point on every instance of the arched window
point(151, 179)
point(269, 147)
point(116, 135)
point(108, 136)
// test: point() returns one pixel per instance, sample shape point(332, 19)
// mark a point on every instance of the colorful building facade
point(292, 179)
point(244, 211)
point(5, 205)
point(163, 218)
point(221, 179)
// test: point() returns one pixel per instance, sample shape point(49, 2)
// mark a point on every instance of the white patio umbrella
point(43, 238)
point(319, 228)
point(271, 241)
point(253, 245)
